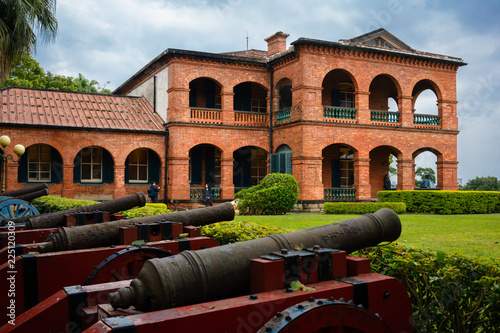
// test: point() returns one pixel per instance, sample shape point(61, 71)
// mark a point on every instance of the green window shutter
point(336, 173)
point(288, 162)
point(335, 97)
point(77, 167)
point(196, 165)
point(56, 166)
point(153, 167)
point(274, 163)
point(108, 168)
point(22, 169)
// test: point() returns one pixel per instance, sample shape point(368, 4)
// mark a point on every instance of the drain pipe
point(166, 163)
point(271, 89)
point(155, 82)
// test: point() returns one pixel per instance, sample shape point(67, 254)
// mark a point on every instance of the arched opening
point(425, 105)
point(383, 164)
point(142, 166)
point(93, 165)
point(249, 167)
point(205, 93)
point(425, 161)
point(338, 96)
point(383, 100)
point(338, 172)
point(284, 89)
point(250, 97)
point(40, 163)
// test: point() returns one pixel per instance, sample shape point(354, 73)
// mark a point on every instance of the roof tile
point(23, 106)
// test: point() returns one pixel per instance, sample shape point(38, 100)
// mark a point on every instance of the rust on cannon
point(107, 233)
point(193, 277)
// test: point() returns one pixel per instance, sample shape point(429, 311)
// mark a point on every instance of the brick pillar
point(11, 174)
point(311, 107)
point(226, 165)
point(307, 170)
point(405, 104)
point(362, 178)
point(68, 187)
point(363, 107)
point(178, 178)
point(227, 107)
point(178, 105)
point(119, 190)
point(448, 112)
point(447, 175)
point(406, 178)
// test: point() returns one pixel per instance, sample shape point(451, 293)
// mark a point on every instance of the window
point(281, 162)
point(259, 166)
point(39, 163)
point(138, 166)
point(346, 168)
point(346, 95)
point(91, 168)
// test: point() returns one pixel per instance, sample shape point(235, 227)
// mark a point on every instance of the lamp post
point(18, 150)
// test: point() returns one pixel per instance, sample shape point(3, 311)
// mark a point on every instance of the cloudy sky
point(111, 40)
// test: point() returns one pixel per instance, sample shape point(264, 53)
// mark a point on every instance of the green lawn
point(475, 236)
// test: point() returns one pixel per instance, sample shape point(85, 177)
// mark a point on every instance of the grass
point(473, 236)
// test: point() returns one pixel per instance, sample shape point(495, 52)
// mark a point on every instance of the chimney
point(276, 43)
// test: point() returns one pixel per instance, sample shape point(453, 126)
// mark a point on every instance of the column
point(307, 170)
point(68, 187)
point(362, 178)
point(178, 178)
point(119, 190)
point(363, 107)
point(448, 111)
point(405, 104)
point(226, 165)
point(406, 179)
point(227, 107)
point(447, 175)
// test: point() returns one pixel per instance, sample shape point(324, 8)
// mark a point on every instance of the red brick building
point(318, 109)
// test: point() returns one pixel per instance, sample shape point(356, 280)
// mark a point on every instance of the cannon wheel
point(326, 316)
point(124, 265)
point(11, 208)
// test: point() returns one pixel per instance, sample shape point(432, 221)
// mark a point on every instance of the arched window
point(40, 163)
point(93, 165)
point(142, 166)
point(281, 162)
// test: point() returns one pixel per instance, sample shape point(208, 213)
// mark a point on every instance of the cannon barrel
point(108, 233)
point(56, 219)
point(198, 276)
point(33, 195)
point(23, 191)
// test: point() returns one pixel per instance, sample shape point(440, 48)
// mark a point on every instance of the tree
point(422, 172)
point(489, 183)
point(18, 21)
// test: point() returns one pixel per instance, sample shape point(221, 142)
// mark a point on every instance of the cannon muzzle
point(198, 276)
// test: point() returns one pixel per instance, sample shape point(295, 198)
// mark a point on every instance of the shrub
point(49, 204)
point(277, 193)
point(449, 293)
point(445, 202)
point(232, 232)
point(149, 210)
point(362, 207)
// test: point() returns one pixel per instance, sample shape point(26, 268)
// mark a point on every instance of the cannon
point(243, 287)
point(15, 204)
point(222, 272)
point(56, 219)
point(107, 233)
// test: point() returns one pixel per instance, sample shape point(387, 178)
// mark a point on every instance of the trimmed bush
point(449, 293)
point(445, 202)
point(233, 232)
point(49, 204)
point(362, 207)
point(149, 210)
point(276, 194)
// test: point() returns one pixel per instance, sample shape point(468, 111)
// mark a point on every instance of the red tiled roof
point(257, 54)
point(22, 106)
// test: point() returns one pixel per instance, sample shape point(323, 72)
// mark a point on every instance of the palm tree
point(85, 85)
point(18, 20)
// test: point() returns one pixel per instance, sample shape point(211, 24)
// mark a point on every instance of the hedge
point(449, 293)
point(362, 207)
point(232, 232)
point(48, 204)
point(445, 202)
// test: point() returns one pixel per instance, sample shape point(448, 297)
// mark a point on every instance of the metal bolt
point(279, 315)
point(311, 299)
point(284, 251)
point(288, 318)
point(253, 296)
point(386, 295)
